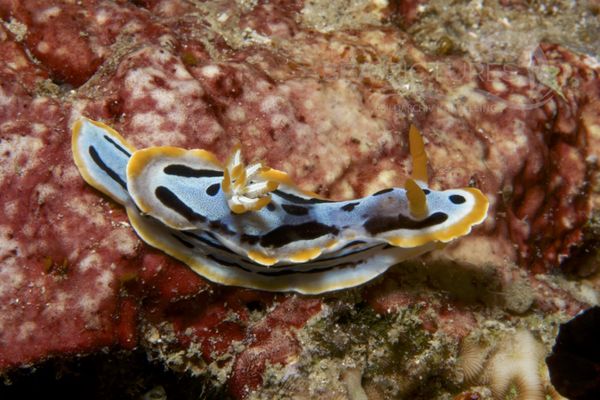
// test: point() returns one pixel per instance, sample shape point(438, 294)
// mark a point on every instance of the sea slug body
point(251, 226)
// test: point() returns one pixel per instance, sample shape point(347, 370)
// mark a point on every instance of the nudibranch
point(251, 226)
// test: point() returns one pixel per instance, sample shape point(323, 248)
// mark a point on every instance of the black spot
point(170, 200)
point(299, 200)
point(96, 158)
point(189, 172)
point(574, 363)
point(118, 146)
point(217, 225)
point(384, 191)
point(426, 191)
point(213, 189)
point(457, 199)
point(286, 234)
point(375, 225)
point(250, 239)
point(271, 206)
point(349, 207)
point(294, 210)
point(255, 305)
point(184, 242)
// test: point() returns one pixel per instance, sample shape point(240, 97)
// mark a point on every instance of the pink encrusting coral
point(72, 40)
point(332, 107)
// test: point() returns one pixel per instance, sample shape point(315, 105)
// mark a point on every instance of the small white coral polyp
point(516, 364)
point(473, 357)
point(512, 368)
